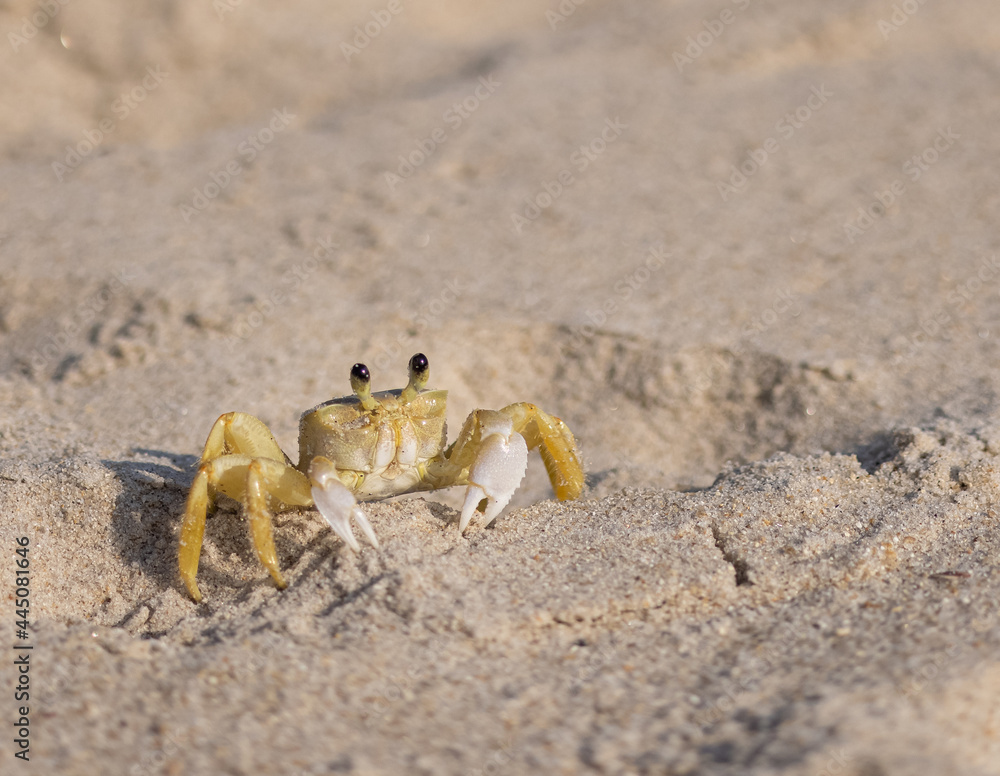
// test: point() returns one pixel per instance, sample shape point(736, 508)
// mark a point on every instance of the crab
point(367, 447)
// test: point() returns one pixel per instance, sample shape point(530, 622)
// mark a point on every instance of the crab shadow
point(147, 511)
point(444, 514)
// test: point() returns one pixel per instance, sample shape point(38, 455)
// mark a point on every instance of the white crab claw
point(337, 504)
point(497, 471)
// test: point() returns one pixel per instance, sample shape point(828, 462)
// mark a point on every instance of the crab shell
point(385, 450)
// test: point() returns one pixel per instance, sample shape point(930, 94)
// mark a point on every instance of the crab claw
point(337, 504)
point(499, 467)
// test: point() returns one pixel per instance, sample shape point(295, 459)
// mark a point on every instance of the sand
point(747, 251)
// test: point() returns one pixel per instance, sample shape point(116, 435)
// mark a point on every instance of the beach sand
point(748, 252)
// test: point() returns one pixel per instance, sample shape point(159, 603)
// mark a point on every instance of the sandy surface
point(648, 218)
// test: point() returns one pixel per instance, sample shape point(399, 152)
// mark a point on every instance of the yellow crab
point(366, 447)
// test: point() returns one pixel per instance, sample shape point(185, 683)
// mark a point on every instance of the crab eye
point(360, 377)
point(420, 372)
point(361, 385)
point(420, 367)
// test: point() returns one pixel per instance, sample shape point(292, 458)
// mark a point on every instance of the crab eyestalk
point(361, 384)
point(420, 373)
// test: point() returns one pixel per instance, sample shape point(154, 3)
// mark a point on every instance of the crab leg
point(555, 443)
point(193, 532)
point(234, 443)
point(250, 481)
point(225, 473)
point(337, 504)
point(289, 486)
point(239, 432)
point(243, 434)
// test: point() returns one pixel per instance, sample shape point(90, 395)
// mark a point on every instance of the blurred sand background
point(747, 250)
